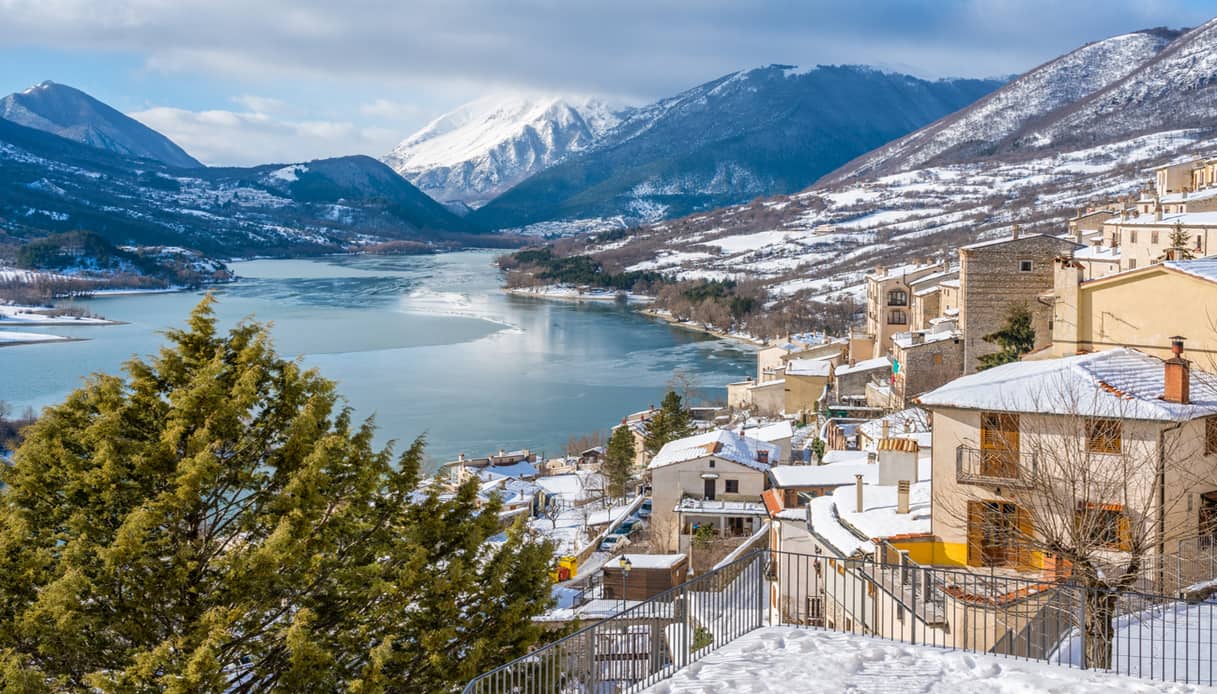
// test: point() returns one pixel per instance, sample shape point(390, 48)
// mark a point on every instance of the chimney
point(1157, 213)
point(502, 452)
point(916, 337)
point(879, 270)
point(886, 428)
point(460, 457)
point(762, 456)
point(1015, 231)
point(902, 497)
point(1177, 375)
point(858, 488)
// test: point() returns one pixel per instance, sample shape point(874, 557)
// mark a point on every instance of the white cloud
point(237, 138)
point(389, 110)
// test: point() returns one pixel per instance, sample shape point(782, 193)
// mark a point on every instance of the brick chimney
point(762, 456)
point(1177, 374)
point(858, 493)
point(1015, 231)
point(902, 497)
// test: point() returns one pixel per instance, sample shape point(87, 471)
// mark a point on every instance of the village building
point(1142, 308)
point(779, 433)
point(889, 299)
point(850, 380)
point(713, 479)
point(992, 429)
point(648, 575)
point(996, 275)
point(806, 386)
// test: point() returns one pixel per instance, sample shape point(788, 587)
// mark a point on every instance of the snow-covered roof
point(905, 340)
point(648, 561)
point(908, 421)
point(864, 365)
point(516, 470)
point(769, 384)
point(878, 518)
point(953, 284)
point(809, 367)
point(1197, 219)
point(720, 443)
point(1120, 382)
point(900, 270)
point(1009, 239)
point(823, 475)
point(1202, 194)
point(1204, 268)
point(771, 432)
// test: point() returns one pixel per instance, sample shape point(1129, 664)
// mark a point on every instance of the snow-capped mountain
point(481, 149)
point(752, 133)
point(1085, 127)
point(70, 113)
point(50, 184)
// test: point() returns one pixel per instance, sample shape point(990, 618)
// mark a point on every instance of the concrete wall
point(768, 398)
point(802, 393)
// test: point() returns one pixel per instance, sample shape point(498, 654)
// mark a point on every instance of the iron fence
point(992, 611)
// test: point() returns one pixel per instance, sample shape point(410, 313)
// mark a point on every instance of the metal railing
point(1128, 633)
point(646, 643)
point(993, 467)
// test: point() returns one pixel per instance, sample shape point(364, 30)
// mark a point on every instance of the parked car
point(614, 543)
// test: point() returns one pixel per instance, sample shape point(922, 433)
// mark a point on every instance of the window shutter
point(976, 519)
point(1125, 536)
point(1026, 529)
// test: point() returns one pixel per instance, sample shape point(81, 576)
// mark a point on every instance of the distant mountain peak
point(72, 114)
point(486, 146)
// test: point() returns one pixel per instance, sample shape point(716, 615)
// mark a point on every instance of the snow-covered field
point(31, 315)
point(783, 660)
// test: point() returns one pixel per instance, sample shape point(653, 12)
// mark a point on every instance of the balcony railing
point(993, 467)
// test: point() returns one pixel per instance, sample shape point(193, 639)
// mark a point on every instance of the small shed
point(650, 575)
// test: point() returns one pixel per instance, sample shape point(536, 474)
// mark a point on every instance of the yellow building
point(1140, 308)
point(1144, 429)
point(806, 382)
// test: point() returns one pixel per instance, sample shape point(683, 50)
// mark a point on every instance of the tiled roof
point(1122, 383)
point(898, 444)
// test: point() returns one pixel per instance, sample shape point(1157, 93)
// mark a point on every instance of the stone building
point(996, 275)
point(927, 361)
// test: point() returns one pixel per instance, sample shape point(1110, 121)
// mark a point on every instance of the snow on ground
point(10, 338)
point(1139, 643)
point(29, 315)
point(785, 659)
point(568, 293)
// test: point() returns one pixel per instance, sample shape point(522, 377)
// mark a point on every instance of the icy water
point(426, 344)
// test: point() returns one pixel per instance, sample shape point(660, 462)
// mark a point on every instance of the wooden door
point(999, 445)
point(993, 529)
point(708, 494)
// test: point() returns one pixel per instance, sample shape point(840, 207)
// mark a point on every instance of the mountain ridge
point(75, 115)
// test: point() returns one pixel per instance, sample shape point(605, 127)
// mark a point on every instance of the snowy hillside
point(913, 199)
point(976, 130)
point(485, 147)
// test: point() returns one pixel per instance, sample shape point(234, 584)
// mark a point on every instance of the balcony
point(994, 468)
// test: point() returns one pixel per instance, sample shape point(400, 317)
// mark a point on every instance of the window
point(937, 360)
point(1210, 436)
point(732, 486)
point(712, 462)
point(1024, 266)
point(897, 297)
point(1153, 237)
point(1103, 435)
point(1132, 236)
point(896, 317)
point(1105, 525)
point(1132, 263)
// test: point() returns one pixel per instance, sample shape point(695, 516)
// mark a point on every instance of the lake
point(428, 344)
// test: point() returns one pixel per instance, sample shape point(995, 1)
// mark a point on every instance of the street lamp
point(625, 574)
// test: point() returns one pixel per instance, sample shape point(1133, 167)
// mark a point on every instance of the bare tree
point(553, 509)
point(577, 444)
point(686, 384)
point(1076, 476)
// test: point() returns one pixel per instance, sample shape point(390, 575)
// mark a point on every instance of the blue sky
point(253, 81)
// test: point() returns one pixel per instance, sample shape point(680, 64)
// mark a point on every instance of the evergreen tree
point(671, 422)
point(619, 460)
point(215, 521)
point(1181, 245)
point(1016, 338)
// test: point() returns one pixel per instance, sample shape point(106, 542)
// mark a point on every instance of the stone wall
point(926, 366)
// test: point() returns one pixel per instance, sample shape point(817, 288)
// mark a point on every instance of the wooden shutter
point(1125, 533)
point(1026, 529)
point(976, 533)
